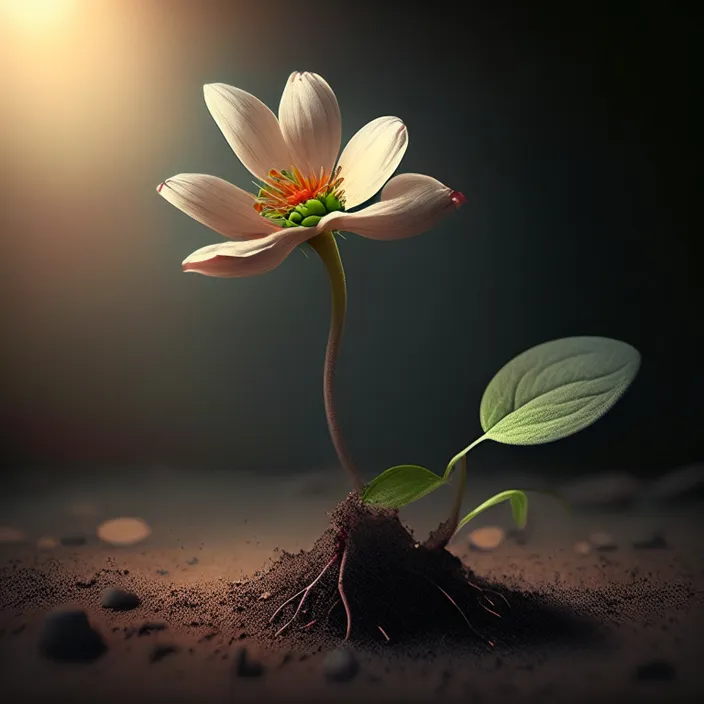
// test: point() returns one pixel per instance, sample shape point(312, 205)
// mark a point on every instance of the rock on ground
point(68, 636)
point(124, 531)
point(118, 599)
point(488, 538)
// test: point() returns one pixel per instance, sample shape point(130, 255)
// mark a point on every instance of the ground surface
point(638, 613)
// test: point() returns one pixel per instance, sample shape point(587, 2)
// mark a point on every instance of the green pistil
point(306, 214)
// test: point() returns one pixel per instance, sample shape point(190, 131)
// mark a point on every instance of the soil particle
point(68, 636)
point(160, 651)
point(340, 665)
point(118, 599)
point(146, 629)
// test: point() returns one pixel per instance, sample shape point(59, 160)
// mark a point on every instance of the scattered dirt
point(524, 622)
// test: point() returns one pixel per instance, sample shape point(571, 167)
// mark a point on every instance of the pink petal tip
point(458, 199)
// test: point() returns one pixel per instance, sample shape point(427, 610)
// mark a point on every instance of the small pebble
point(601, 540)
point(124, 531)
point(656, 670)
point(118, 599)
point(582, 547)
point(47, 543)
point(264, 596)
point(12, 536)
point(340, 665)
point(192, 561)
point(244, 666)
point(488, 538)
point(67, 635)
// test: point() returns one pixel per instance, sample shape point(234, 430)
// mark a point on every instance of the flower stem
point(326, 247)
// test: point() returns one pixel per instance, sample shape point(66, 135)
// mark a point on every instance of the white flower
point(304, 190)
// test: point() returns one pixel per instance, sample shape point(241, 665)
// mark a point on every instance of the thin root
point(330, 610)
point(462, 613)
point(490, 591)
point(343, 596)
point(486, 608)
point(384, 633)
point(305, 593)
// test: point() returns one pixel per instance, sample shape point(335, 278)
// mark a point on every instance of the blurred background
point(570, 131)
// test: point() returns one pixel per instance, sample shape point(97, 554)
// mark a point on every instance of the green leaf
point(519, 507)
point(401, 485)
point(556, 389)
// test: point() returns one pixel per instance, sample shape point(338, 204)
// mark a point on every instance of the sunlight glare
point(34, 13)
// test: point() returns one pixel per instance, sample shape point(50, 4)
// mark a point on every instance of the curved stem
point(460, 455)
point(326, 247)
point(442, 535)
point(459, 495)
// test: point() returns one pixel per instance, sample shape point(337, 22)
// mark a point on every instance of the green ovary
point(308, 214)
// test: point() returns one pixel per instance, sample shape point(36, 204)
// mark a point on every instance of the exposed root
point(330, 610)
point(372, 565)
point(343, 596)
point(305, 592)
point(484, 592)
point(462, 613)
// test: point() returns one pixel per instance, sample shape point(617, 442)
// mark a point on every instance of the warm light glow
point(34, 13)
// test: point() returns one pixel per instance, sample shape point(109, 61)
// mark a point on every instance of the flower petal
point(410, 204)
point(371, 157)
point(310, 122)
point(249, 127)
point(216, 204)
point(247, 258)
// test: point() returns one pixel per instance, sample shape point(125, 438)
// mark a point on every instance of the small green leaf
point(519, 507)
point(556, 389)
point(401, 485)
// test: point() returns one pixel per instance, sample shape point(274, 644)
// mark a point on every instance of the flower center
point(289, 199)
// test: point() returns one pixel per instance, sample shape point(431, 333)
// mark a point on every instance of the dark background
point(571, 131)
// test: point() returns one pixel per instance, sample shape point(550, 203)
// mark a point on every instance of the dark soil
point(398, 591)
